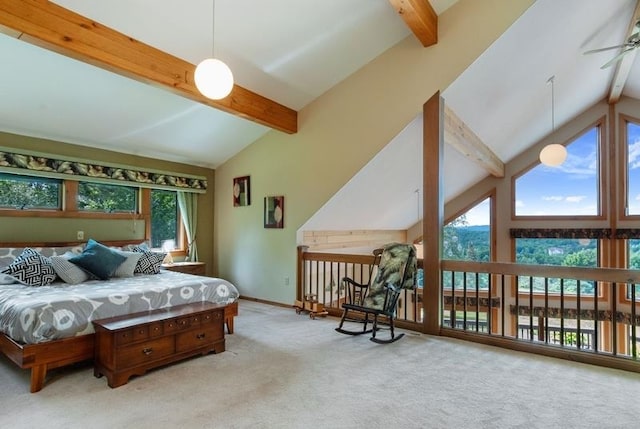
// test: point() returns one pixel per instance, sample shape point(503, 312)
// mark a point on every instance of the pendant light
point(213, 78)
point(553, 155)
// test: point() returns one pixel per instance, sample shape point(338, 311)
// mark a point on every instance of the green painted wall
point(338, 134)
point(64, 229)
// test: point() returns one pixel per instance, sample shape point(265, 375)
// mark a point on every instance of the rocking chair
point(376, 301)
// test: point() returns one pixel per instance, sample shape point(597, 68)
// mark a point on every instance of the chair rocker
point(375, 303)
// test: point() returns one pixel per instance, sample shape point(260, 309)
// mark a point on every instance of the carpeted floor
point(283, 370)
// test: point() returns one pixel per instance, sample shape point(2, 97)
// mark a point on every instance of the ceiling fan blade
point(616, 58)
point(593, 51)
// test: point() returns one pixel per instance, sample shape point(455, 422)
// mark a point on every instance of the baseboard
point(264, 301)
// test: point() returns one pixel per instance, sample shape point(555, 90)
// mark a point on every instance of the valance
point(628, 233)
point(44, 165)
point(596, 233)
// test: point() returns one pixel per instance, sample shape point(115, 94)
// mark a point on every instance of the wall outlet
point(286, 281)
point(80, 235)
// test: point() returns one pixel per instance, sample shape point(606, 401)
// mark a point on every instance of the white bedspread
point(37, 314)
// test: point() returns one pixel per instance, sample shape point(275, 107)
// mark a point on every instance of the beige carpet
point(283, 370)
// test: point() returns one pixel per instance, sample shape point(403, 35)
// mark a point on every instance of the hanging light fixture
point(554, 154)
point(213, 78)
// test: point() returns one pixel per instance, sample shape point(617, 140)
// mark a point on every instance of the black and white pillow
point(31, 268)
point(149, 262)
point(67, 271)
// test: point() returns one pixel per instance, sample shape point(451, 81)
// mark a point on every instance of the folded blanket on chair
point(397, 263)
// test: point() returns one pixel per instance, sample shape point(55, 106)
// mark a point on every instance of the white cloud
point(634, 154)
point(575, 198)
point(519, 203)
point(553, 198)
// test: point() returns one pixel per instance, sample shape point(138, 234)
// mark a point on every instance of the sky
point(569, 189)
point(633, 135)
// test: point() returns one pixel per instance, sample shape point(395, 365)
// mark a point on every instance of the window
point(571, 189)
point(468, 238)
point(556, 251)
point(164, 218)
point(27, 192)
point(107, 198)
point(633, 169)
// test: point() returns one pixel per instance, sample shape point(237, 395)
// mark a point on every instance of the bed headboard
point(10, 250)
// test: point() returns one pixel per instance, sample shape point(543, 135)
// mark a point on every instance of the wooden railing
point(585, 314)
point(320, 275)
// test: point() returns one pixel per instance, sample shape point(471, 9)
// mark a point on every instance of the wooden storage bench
point(132, 344)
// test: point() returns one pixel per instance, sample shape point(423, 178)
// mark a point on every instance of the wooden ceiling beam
point(421, 19)
point(465, 141)
point(50, 26)
point(623, 67)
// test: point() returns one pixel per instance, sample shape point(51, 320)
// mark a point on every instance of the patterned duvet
point(37, 314)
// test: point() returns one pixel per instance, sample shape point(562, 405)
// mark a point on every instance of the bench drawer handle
point(147, 351)
point(200, 336)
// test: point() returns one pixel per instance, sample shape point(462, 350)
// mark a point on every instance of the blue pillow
point(99, 260)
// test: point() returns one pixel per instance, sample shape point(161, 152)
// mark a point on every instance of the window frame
point(69, 209)
point(623, 168)
point(603, 157)
point(28, 178)
point(136, 196)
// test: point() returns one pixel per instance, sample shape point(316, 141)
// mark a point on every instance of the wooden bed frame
point(40, 358)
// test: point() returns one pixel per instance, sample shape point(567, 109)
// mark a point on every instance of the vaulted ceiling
point(284, 54)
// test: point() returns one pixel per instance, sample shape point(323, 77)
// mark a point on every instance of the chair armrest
point(354, 283)
point(355, 291)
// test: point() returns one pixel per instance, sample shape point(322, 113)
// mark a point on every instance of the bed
point(48, 326)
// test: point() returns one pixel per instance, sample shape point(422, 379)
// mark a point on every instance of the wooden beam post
point(421, 19)
point(50, 26)
point(462, 138)
point(433, 209)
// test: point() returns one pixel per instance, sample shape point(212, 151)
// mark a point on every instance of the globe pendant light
point(553, 155)
point(213, 78)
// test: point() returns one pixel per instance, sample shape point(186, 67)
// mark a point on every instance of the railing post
point(300, 273)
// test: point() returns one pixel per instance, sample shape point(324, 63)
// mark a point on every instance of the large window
point(164, 219)
point(571, 189)
point(633, 168)
point(468, 238)
point(107, 198)
point(26, 192)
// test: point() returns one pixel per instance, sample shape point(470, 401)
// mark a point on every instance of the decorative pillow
point(68, 271)
point(99, 260)
point(142, 246)
point(149, 262)
point(31, 268)
point(128, 267)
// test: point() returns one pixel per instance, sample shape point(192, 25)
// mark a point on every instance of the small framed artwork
point(241, 191)
point(274, 212)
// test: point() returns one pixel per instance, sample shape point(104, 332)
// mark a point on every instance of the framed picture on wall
point(241, 191)
point(274, 212)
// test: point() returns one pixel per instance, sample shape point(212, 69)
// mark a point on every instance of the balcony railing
point(585, 314)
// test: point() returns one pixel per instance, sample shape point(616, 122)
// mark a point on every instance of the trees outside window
point(164, 217)
point(26, 192)
point(468, 238)
point(107, 198)
point(557, 251)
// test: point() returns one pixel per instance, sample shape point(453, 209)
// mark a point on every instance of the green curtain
point(188, 203)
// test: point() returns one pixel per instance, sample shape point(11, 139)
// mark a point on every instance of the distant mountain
point(481, 228)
